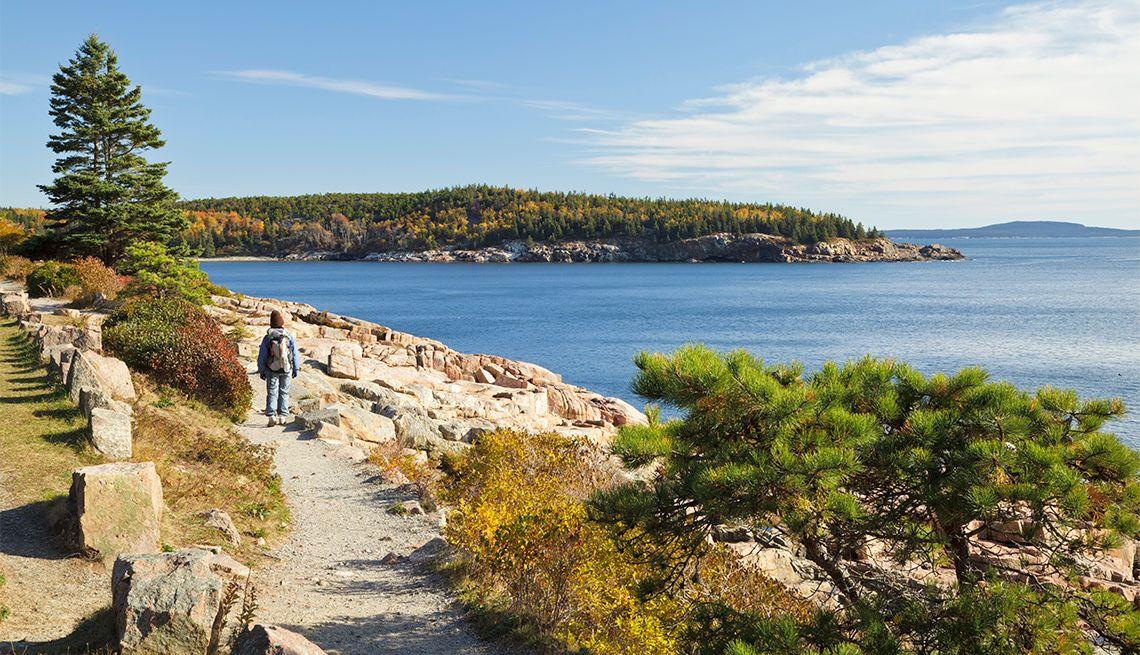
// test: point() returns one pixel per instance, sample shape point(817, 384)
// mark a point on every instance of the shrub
point(51, 279)
point(95, 277)
point(180, 345)
point(15, 267)
point(531, 548)
point(158, 272)
point(400, 467)
point(11, 235)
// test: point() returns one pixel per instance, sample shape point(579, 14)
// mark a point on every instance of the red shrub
point(96, 277)
point(180, 345)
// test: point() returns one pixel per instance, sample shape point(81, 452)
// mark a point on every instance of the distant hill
point(1016, 229)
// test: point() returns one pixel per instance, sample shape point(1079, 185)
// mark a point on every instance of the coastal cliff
point(720, 247)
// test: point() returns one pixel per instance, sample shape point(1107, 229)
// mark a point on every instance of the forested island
point(480, 223)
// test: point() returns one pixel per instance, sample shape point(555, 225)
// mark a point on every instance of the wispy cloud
point(1031, 115)
point(340, 85)
point(480, 85)
point(573, 111)
point(12, 84)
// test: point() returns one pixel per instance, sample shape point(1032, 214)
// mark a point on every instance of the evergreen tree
point(874, 450)
point(106, 194)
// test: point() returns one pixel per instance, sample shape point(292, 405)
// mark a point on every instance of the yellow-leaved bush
point(529, 547)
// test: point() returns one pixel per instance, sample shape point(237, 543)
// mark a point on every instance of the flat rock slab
point(116, 508)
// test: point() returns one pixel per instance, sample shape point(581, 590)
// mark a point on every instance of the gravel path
point(330, 584)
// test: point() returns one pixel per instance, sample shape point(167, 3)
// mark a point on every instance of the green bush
point(158, 272)
point(180, 345)
point(51, 279)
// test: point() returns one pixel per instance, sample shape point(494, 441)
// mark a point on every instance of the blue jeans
point(277, 393)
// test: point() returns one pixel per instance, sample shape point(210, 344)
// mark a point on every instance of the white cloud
point(12, 84)
point(1032, 116)
point(355, 87)
point(572, 111)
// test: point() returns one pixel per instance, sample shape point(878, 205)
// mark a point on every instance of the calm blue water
point(1033, 311)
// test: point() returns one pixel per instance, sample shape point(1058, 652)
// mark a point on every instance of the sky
point(897, 113)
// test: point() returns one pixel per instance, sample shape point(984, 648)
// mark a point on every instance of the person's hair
point(276, 319)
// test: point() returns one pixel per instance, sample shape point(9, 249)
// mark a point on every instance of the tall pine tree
point(106, 194)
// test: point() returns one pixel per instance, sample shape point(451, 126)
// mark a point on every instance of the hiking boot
point(282, 419)
point(272, 421)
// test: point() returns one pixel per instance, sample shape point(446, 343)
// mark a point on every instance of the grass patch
point(204, 463)
point(44, 437)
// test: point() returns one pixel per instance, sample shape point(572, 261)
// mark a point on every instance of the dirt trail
point(330, 584)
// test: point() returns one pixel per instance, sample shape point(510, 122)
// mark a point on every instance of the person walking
point(277, 365)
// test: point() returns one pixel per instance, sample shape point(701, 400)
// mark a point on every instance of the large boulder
point(367, 426)
point(309, 420)
point(111, 432)
point(565, 402)
point(16, 304)
point(416, 431)
point(261, 639)
point(90, 399)
point(342, 363)
point(107, 374)
point(165, 603)
point(116, 508)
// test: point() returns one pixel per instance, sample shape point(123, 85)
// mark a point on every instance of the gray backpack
point(279, 354)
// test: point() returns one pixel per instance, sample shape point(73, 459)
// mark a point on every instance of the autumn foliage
point(180, 345)
point(481, 215)
point(520, 520)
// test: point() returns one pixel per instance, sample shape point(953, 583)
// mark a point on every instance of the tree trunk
point(848, 593)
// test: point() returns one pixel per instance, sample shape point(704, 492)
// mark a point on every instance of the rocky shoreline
point(721, 247)
point(366, 385)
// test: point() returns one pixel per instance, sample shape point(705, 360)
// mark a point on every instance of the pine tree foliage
point(106, 194)
point(875, 450)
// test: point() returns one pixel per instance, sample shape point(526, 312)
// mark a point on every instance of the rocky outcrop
point(261, 639)
point(116, 508)
point(166, 602)
point(366, 384)
point(721, 247)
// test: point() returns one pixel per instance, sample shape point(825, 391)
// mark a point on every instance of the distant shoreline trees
point(480, 215)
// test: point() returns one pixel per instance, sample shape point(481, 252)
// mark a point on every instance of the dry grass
point(204, 464)
point(202, 461)
point(44, 437)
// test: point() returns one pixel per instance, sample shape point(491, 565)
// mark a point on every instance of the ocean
point(1064, 312)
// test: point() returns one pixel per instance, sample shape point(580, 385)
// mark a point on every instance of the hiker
point(277, 365)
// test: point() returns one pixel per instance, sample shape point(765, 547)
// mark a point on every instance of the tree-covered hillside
point(475, 216)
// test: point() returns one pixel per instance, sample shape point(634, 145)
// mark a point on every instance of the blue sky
point(899, 114)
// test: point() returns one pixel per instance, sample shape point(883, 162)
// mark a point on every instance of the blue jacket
point(263, 352)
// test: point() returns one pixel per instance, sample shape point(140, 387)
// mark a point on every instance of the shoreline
point(713, 248)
